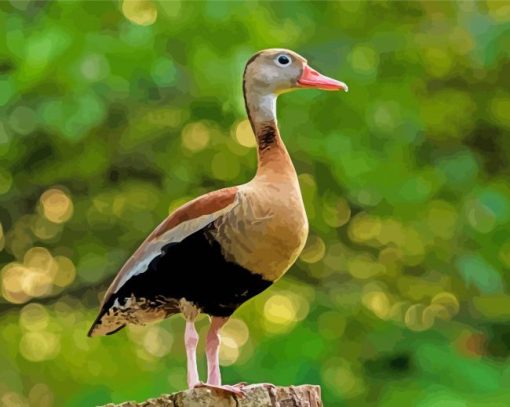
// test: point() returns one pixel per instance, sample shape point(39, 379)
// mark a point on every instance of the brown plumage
point(219, 250)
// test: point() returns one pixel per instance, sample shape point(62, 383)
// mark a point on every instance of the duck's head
point(281, 70)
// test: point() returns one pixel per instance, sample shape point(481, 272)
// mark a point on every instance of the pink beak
point(313, 79)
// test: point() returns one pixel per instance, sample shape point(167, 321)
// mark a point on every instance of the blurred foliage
point(114, 113)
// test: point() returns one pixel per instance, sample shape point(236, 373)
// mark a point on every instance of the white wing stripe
point(174, 235)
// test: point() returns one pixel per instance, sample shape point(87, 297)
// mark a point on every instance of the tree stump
point(257, 395)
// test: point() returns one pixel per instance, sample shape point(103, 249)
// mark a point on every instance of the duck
point(216, 252)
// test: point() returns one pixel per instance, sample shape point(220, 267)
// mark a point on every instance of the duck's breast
point(266, 232)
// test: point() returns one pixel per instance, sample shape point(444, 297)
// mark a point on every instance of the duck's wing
point(183, 222)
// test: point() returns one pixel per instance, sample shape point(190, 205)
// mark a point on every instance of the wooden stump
point(257, 395)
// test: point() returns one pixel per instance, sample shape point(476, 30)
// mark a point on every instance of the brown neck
point(267, 134)
point(272, 154)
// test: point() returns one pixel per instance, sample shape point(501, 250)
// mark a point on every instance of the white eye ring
point(283, 60)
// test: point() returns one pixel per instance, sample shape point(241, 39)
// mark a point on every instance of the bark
point(256, 395)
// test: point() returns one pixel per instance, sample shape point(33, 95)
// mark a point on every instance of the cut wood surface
point(256, 395)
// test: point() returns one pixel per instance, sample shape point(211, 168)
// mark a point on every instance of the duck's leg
point(213, 363)
point(191, 342)
point(213, 351)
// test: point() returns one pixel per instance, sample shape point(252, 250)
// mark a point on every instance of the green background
point(112, 114)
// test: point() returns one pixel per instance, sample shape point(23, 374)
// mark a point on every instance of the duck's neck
point(273, 158)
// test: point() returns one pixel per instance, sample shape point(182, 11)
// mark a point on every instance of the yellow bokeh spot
point(41, 270)
point(56, 205)
point(41, 259)
point(244, 134)
point(196, 136)
point(66, 272)
point(44, 229)
point(448, 301)
point(415, 318)
point(39, 346)
point(237, 330)
point(36, 284)
point(141, 12)
point(229, 350)
point(283, 310)
point(279, 309)
point(13, 275)
point(364, 227)
point(377, 302)
point(13, 399)
point(41, 396)
point(36, 276)
point(34, 317)
point(314, 250)
point(301, 304)
point(336, 213)
point(433, 312)
point(392, 231)
point(157, 341)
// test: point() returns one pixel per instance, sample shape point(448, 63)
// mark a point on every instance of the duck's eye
point(283, 60)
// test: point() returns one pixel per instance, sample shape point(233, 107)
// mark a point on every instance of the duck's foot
point(236, 389)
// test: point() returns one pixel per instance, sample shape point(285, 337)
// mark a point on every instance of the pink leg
point(191, 342)
point(213, 350)
point(213, 364)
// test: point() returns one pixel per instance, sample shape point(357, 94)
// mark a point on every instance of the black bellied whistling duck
point(221, 249)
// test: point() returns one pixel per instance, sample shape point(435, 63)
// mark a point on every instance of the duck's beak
point(313, 79)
